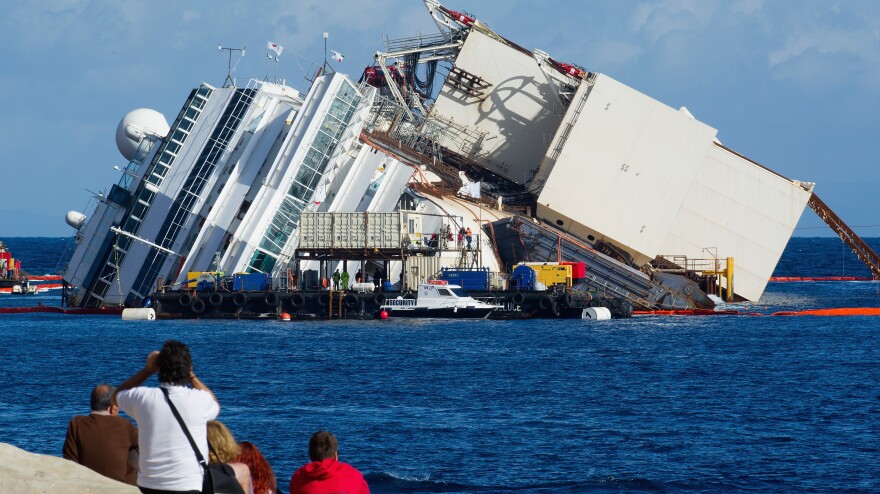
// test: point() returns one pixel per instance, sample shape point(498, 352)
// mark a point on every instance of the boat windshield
point(458, 292)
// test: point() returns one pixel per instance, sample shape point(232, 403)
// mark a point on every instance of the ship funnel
point(75, 219)
point(136, 125)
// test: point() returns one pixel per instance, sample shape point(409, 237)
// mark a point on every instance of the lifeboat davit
point(568, 69)
point(461, 17)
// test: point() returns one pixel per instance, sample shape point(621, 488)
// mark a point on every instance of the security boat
point(439, 299)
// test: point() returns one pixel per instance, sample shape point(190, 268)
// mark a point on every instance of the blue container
point(250, 282)
point(469, 279)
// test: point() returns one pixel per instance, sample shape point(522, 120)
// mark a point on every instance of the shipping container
point(420, 269)
point(350, 230)
point(384, 231)
point(468, 279)
point(251, 282)
point(316, 230)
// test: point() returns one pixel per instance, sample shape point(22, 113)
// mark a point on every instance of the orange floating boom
point(843, 311)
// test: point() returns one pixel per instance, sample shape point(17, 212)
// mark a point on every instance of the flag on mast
point(275, 47)
point(337, 56)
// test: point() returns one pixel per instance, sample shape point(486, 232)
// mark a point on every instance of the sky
point(791, 84)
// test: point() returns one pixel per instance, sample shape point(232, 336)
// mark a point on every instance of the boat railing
point(400, 302)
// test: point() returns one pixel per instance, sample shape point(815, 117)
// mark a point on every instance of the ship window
point(146, 196)
point(245, 205)
point(125, 242)
point(139, 209)
point(261, 262)
point(305, 175)
point(591, 238)
point(443, 292)
point(560, 222)
point(252, 126)
point(459, 291)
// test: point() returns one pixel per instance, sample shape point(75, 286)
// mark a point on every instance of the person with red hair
point(262, 475)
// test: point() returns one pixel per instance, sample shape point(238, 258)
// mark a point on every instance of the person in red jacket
point(326, 474)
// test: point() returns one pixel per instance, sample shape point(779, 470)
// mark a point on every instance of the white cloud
point(610, 54)
point(747, 7)
point(837, 42)
point(655, 19)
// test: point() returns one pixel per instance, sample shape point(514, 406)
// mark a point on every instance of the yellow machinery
point(551, 273)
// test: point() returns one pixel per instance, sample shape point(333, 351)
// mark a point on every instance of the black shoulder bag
point(219, 477)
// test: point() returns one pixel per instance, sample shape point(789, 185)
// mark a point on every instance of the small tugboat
point(12, 278)
point(437, 298)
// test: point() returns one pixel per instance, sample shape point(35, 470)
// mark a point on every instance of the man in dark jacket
point(103, 441)
point(326, 474)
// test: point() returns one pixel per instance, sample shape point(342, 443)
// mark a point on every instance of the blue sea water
point(648, 404)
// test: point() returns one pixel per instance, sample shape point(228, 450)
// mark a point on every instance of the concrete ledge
point(30, 473)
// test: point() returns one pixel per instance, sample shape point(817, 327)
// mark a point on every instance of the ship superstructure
point(543, 160)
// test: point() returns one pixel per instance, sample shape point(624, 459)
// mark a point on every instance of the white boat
point(439, 299)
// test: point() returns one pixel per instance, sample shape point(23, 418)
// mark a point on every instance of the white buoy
point(596, 313)
point(146, 314)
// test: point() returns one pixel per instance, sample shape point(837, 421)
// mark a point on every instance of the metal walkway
point(849, 237)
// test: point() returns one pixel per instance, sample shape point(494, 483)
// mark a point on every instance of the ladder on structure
point(468, 258)
point(849, 237)
point(335, 304)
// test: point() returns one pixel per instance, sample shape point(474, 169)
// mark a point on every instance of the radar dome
point(75, 219)
point(135, 125)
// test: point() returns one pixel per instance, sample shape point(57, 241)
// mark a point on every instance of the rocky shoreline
point(30, 473)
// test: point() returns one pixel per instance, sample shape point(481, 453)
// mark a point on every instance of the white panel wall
point(739, 210)
point(518, 112)
point(625, 168)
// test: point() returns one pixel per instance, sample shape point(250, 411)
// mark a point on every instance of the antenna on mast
point(230, 80)
point(326, 65)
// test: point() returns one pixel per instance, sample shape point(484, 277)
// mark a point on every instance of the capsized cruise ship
point(543, 160)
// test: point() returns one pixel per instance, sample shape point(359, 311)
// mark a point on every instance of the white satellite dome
point(75, 219)
point(135, 125)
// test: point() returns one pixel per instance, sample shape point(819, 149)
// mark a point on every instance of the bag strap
point(192, 442)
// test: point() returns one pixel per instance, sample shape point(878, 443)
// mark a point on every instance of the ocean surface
point(746, 403)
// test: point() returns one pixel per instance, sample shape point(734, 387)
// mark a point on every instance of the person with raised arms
point(167, 460)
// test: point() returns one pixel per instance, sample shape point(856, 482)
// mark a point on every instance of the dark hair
point(322, 445)
point(101, 397)
point(175, 363)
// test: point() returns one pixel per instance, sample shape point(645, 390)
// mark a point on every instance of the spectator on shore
point(326, 474)
point(103, 441)
point(262, 476)
point(167, 460)
point(224, 449)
